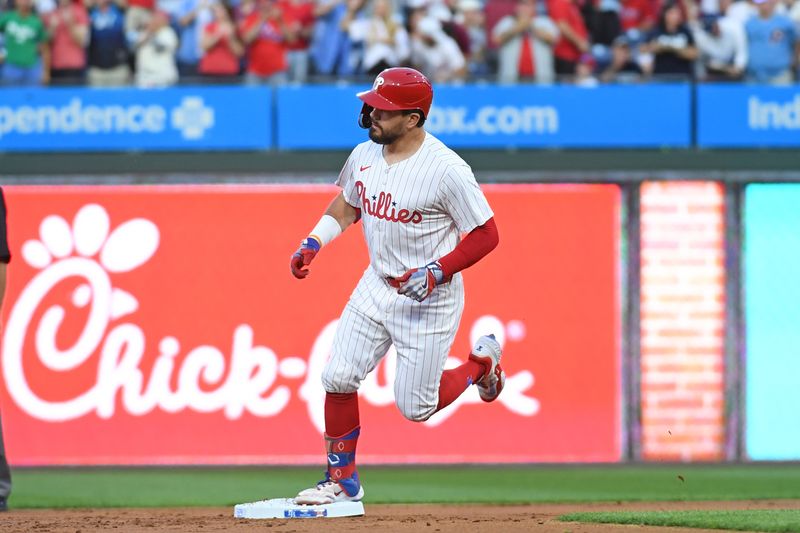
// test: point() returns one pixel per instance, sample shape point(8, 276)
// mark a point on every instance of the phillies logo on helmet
point(378, 82)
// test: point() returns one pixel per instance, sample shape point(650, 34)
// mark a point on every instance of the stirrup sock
point(342, 461)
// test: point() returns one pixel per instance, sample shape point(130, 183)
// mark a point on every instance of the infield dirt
point(399, 517)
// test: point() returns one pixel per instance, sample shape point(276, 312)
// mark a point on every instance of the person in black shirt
point(108, 54)
point(672, 46)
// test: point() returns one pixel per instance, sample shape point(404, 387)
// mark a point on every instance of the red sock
point(456, 380)
point(341, 413)
point(341, 438)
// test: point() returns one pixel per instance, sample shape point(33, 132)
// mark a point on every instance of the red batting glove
point(303, 257)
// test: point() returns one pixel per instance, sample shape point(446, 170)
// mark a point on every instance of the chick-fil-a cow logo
point(92, 251)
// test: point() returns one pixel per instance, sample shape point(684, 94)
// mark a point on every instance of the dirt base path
point(380, 518)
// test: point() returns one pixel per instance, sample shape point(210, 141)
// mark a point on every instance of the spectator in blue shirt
point(331, 48)
point(772, 45)
point(192, 17)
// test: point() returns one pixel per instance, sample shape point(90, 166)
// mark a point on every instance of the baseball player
point(415, 197)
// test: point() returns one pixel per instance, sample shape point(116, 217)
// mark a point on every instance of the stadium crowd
point(159, 43)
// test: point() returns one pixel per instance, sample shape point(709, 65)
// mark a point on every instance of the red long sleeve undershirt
point(478, 243)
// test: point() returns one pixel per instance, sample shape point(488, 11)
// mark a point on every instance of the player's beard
point(381, 136)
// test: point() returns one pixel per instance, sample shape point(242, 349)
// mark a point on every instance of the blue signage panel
point(744, 116)
point(490, 116)
point(772, 294)
point(318, 117)
point(186, 118)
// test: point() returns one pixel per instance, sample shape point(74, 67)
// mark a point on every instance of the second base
point(286, 508)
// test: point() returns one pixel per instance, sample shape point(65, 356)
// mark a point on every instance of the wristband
point(311, 242)
point(326, 230)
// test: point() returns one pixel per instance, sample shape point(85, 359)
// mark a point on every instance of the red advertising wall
point(148, 325)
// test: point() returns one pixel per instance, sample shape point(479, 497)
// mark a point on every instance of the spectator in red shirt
point(574, 37)
point(264, 33)
point(69, 27)
point(638, 15)
point(222, 49)
point(298, 15)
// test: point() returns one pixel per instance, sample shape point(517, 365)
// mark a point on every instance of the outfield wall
point(162, 325)
point(114, 355)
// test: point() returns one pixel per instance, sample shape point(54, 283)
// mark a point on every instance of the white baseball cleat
point(329, 491)
point(487, 351)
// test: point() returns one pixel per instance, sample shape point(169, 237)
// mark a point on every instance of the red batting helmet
point(397, 89)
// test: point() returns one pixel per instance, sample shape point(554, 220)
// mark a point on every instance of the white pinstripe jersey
point(414, 210)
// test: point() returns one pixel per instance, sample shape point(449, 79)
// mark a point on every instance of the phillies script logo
point(381, 206)
point(91, 252)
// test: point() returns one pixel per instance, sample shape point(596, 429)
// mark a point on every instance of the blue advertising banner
point(748, 116)
point(772, 294)
point(185, 119)
point(490, 116)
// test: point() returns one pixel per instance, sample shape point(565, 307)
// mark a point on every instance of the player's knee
point(335, 382)
point(417, 413)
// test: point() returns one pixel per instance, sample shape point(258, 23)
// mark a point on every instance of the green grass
point(779, 520)
point(168, 487)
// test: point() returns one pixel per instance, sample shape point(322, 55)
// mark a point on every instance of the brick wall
point(682, 304)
